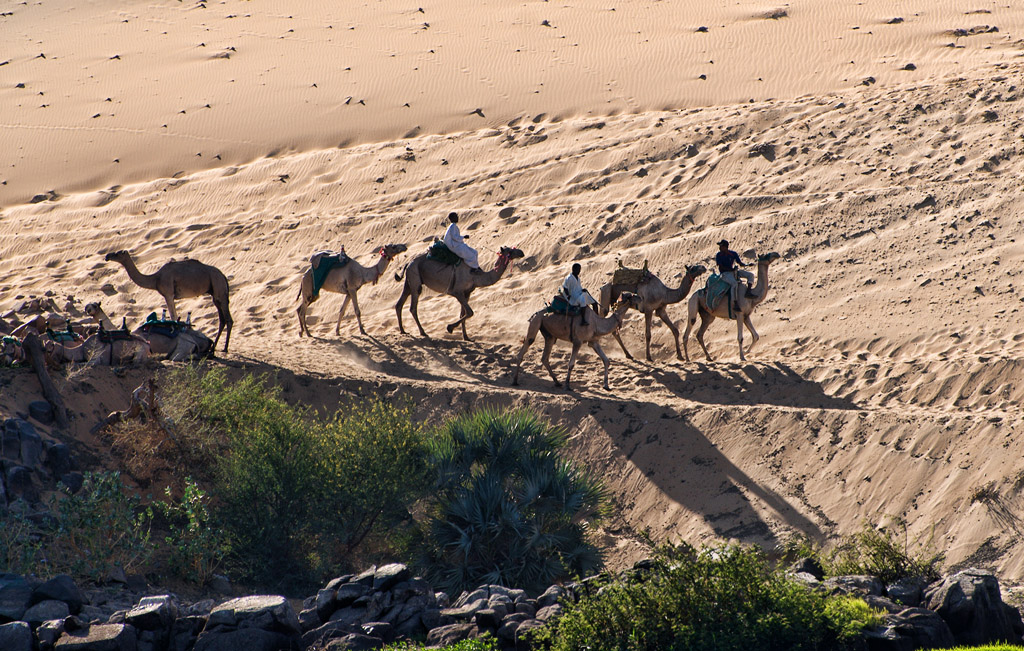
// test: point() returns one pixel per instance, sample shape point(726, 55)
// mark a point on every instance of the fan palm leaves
point(510, 508)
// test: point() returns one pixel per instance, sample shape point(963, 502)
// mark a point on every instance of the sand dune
point(887, 378)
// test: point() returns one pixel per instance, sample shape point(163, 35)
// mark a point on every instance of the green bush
point(884, 553)
point(97, 529)
point(20, 544)
point(511, 509)
point(196, 544)
point(485, 643)
point(721, 599)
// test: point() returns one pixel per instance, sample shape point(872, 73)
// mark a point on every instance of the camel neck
point(146, 281)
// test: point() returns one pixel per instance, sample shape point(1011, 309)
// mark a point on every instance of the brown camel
point(560, 326)
point(698, 305)
point(345, 280)
point(96, 351)
point(455, 281)
point(185, 345)
point(655, 296)
point(183, 279)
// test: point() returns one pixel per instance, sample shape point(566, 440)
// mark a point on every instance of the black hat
point(724, 243)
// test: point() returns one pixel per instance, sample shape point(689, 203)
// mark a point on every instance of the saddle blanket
point(629, 276)
point(322, 263)
point(559, 305)
point(441, 253)
point(165, 327)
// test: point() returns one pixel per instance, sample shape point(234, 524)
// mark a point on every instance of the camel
point(655, 296)
point(455, 281)
point(698, 305)
point(560, 326)
point(183, 279)
point(345, 280)
point(98, 349)
point(11, 351)
point(185, 345)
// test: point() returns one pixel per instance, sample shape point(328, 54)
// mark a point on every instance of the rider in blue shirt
point(727, 261)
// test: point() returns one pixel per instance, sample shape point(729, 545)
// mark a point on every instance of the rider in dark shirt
point(727, 262)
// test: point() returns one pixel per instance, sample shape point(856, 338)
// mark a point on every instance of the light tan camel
point(560, 326)
point(183, 279)
point(345, 280)
point(655, 296)
point(188, 343)
point(455, 281)
point(698, 305)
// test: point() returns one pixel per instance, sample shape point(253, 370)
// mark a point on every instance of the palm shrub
point(511, 509)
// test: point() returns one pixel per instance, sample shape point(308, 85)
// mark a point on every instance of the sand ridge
point(886, 382)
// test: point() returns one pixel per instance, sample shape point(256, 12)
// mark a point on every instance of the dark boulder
point(73, 481)
point(387, 576)
point(448, 635)
point(266, 612)
point(58, 459)
point(45, 611)
point(922, 627)
point(155, 613)
point(810, 566)
point(16, 636)
point(970, 602)
point(15, 596)
point(857, 585)
point(20, 485)
point(907, 591)
point(102, 637)
point(41, 410)
point(60, 588)
point(354, 642)
point(245, 639)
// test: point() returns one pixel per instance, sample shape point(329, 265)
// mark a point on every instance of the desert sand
point(875, 146)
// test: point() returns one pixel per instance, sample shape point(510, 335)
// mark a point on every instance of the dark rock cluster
point(30, 464)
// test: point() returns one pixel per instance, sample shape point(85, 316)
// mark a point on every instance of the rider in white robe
point(456, 243)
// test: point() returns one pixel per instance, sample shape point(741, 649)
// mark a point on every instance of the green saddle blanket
point(62, 336)
point(441, 253)
point(165, 327)
point(714, 290)
point(559, 305)
point(322, 266)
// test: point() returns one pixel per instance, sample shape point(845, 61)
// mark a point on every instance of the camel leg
point(545, 358)
point(225, 322)
point(647, 333)
point(399, 304)
point(663, 315)
point(414, 304)
point(604, 358)
point(303, 305)
point(170, 307)
point(527, 342)
point(705, 321)
point(753, 333)
point(466, 313)
point(359, 314)
point(739, 336)
point(690, 320)
point(615, 333)
point(572, 362)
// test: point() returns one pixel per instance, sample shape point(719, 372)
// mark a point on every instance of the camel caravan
point(448, 267)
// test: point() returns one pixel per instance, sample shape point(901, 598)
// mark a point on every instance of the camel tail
point(400, 274)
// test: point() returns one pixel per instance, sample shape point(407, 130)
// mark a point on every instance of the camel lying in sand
point(345, 280)
point(698, 305)
point(183, 279)
point(655, 296)
point(455, 281)
point(102, 348)
point(566, 328)
point(183, 345)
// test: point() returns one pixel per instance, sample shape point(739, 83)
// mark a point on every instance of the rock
point(390, 575)
point(430, 618)
point(508, 630)
point(74, 482)
point(335, 583)
point(526, 608)
point(266, 612)
point(551, 596)
point(102, 637)
point(45, 611)
point(48, 633)
point(907, 591)
point(16, 636)
point(489, 618)
point(155, 613)
point(41, 410)
point(324, 604)
point(185, 631)
point(857, 585)
point(886, 639)
point(466, 611)
point(62, 588)
point(244, 639)
point(442, 599)
point(322, 634)
point(810, 566)
point(550, 612)
point(220, 583)
point(970, 602)
point(31, 445)
point(93, 614)
point(448, 635)
point(383, 630)
point(805, 578)
point(480, 594)
point(365, 578)
point(58, 459)
point(19, 485)
point(350, 616)
point(201, 608)
point(15, 596)
point(309, 619)
point(346, 594)
point(355, 642)
point(922, 627)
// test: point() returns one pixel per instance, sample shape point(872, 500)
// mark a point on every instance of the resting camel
point(183, 279)
point(95, 351)
point(455, 281)
point(345, 280)
point(187, 344)
point(559, 326)
point(698, 305)
point(655, 296)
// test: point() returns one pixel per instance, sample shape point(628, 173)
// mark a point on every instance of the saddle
point(559, 305)
point(322, 263)
point(111, 336)
point(438, 252)
point(62, 336)
point(714, 290)
point(164, 327)
point(629, 276)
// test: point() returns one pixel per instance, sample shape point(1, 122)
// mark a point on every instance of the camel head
point(629, 300)
point(389, 251)
point(695, 270)
point(510, 253)
point(93, 310)
point(768, 258)
point(118, 256)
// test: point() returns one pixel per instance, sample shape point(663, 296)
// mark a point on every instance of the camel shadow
point(745, 384)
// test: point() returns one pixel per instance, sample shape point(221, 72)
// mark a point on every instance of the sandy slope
point(888, 377)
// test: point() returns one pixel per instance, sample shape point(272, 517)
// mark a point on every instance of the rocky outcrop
point(971, 603)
